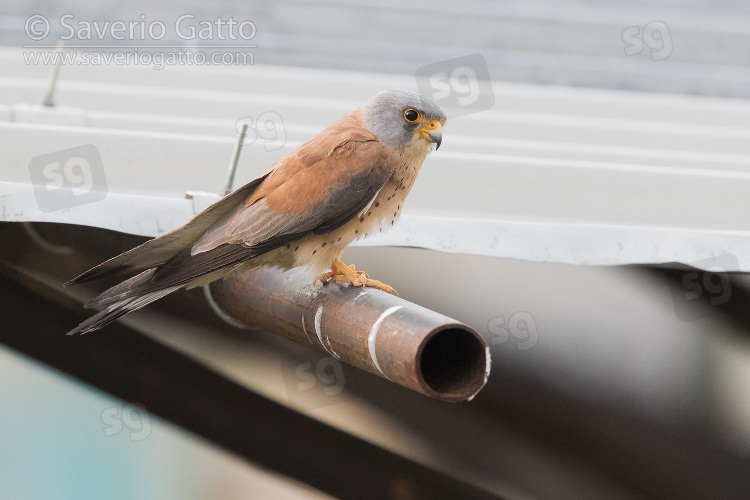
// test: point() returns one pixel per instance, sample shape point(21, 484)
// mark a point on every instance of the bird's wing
point(159, 250)
point(302, 202)
point(315, 191)
point(316, 199)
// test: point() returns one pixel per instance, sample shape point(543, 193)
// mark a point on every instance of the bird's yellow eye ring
point(412, 115)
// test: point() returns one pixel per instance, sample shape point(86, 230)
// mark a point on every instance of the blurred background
point(628, 119)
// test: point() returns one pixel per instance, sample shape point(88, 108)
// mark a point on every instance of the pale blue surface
point(53, 439)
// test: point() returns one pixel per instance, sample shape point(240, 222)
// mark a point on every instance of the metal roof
point(548, 174)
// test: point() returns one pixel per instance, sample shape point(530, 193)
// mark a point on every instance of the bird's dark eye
point(411, 115)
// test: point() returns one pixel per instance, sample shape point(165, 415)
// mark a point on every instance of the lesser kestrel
point(347, 182)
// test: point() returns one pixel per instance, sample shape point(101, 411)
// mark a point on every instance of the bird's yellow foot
point(341, 273)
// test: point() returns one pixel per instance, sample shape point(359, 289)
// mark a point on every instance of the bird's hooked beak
point(432, 131)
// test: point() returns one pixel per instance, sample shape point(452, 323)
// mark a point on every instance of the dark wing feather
point(178, 271)
point(159, 250)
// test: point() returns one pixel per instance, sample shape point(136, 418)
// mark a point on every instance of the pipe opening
point(453, 363)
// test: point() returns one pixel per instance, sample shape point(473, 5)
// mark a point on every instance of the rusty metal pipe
point(405, 343)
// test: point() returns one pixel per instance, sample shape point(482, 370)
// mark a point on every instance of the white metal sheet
point(549, 174)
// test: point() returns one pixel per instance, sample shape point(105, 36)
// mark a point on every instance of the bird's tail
point(121, 300)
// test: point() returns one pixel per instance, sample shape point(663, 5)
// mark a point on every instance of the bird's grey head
point(399, 116)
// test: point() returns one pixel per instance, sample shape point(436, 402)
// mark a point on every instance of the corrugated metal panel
point(549, 173)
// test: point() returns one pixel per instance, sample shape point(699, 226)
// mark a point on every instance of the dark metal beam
point(172, 386)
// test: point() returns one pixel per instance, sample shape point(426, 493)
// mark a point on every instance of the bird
point(347, 182)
